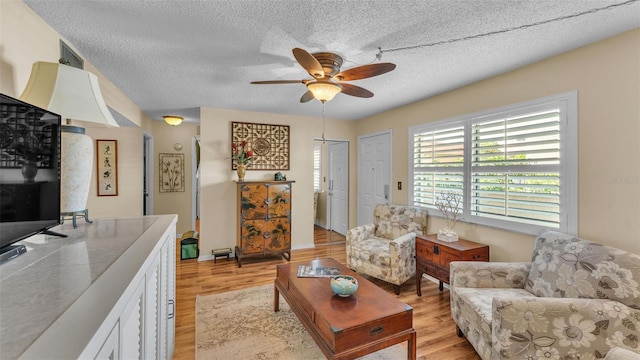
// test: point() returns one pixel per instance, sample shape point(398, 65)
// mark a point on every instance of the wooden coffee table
point(345, 327)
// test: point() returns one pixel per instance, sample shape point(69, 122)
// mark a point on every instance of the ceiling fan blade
point(364, 71)
point(269, 82)
point(309, 63)
point(356, 91)
point(308, 96)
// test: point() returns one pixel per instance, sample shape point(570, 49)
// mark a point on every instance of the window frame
point(567, 103)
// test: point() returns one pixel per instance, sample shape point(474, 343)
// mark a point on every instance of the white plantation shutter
point(515, 167)
point(317, 174)
point(438, 158)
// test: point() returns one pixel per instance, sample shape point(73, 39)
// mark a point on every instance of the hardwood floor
point(431, 313)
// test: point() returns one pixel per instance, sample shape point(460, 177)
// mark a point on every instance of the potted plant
point(450, 205)
point(241, 154)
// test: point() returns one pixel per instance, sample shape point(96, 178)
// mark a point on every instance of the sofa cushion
point(564, 266)
point(392, 221)
point(471, 309)
point(478, 301)
point(373, 250)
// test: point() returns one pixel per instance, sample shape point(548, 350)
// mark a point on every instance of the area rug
point(242, 325)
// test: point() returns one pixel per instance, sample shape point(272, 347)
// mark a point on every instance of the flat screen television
point(29, 170)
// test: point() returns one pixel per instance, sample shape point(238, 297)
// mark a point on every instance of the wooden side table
point(433, 257)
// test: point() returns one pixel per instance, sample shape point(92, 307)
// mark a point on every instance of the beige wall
point(129, 148)
point(164, 139)
point(607, 77)
point(24, 39)
point(218, 210)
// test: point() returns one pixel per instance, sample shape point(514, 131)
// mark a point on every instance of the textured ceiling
point(172, 57)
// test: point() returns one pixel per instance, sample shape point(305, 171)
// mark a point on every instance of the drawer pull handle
point(375, 331)
point(436, 249)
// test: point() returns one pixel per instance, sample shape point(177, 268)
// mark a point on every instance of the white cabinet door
point(131, 321)
point(167, 297)
point(152, 310)
point(110, 347)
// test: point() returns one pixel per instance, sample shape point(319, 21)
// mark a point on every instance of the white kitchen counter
point(63, 289)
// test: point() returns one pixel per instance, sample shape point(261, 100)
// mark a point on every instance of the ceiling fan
point(327, 79)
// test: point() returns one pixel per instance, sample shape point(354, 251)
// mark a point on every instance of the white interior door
point(339, 186)
point(374, 173)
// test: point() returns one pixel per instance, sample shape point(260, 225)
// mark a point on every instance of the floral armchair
point(386, 249)
point(575, 300)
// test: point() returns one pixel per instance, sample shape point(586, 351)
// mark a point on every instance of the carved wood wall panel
point(269, 143)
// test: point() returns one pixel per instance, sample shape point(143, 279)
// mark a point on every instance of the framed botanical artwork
point(171, 172)
point(268, 143)
point(107, 158)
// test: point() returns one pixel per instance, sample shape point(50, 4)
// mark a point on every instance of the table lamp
point(75, 95)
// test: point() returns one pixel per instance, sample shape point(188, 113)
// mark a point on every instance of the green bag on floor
point(189, 248)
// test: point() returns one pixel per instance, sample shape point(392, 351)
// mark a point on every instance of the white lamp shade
point(70, 92)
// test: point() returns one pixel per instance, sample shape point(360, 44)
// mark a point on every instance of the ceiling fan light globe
point(324, 90)
point(173, 120)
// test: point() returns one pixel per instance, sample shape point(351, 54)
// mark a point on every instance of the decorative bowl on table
point(344, 285)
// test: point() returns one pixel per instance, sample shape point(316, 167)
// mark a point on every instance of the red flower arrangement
point(241, 153)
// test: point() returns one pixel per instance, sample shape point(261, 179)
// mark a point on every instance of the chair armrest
point(404, 244)
point(482, 274)
point(402, 256)
point(621, 354)
point(360, 233)
point(568, 327)
point(357, 234)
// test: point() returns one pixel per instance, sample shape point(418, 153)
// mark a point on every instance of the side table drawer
point(481, 254)
point(426, 267)
point(442, 274)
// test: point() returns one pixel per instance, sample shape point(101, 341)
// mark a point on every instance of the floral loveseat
point(386, 249)
point(575, 300)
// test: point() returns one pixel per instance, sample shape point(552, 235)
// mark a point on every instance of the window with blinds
point(317, 173)
point(514, 167)
point(438, 159)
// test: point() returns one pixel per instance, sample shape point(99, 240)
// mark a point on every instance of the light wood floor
point(431, 314)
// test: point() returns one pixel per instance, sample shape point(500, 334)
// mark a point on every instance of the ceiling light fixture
point(173, 120)
point(324, 90)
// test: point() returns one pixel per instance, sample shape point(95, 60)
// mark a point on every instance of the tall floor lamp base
point(74, 214)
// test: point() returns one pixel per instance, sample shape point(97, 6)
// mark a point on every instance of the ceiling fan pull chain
point(323, 139)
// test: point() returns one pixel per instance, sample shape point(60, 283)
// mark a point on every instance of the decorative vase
point(29, 170)
point(241, 171)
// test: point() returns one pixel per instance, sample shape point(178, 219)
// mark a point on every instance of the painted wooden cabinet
point(107, 291)
point(264, 219)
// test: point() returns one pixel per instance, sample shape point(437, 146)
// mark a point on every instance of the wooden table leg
point(276, 299)
point(411, 348)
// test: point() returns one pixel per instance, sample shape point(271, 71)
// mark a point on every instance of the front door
point(374, 173)
point(339, 186)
